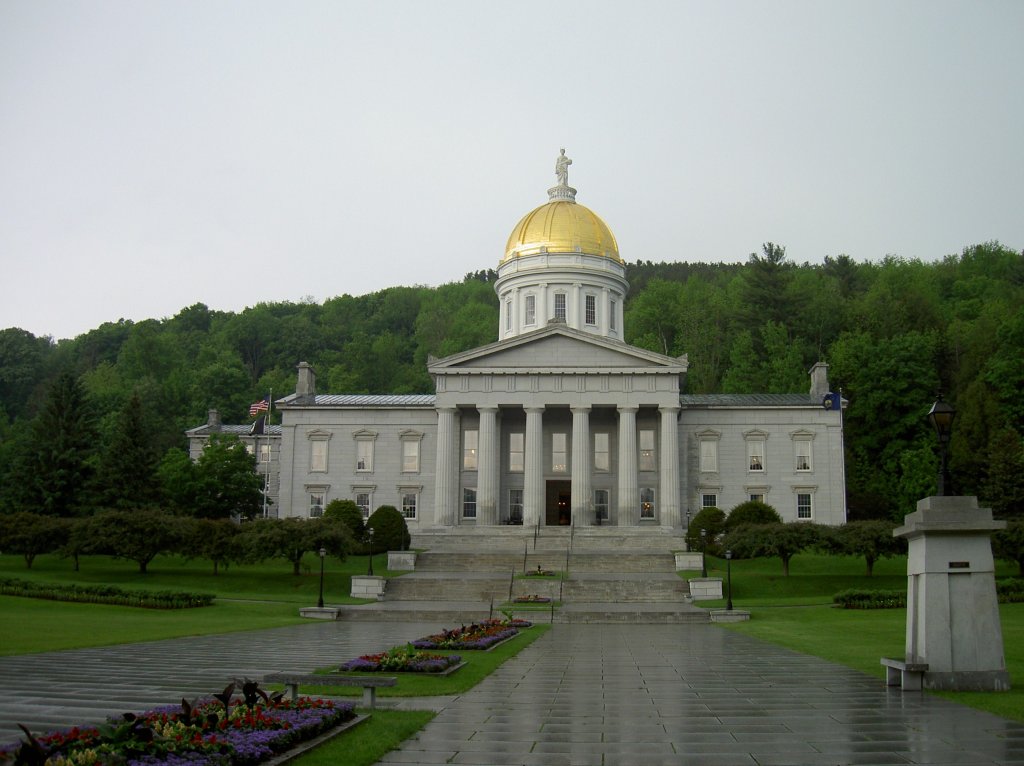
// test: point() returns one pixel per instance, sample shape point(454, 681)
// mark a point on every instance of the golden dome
point(561, 226)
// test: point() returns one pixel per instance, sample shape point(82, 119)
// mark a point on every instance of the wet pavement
point(595, 695)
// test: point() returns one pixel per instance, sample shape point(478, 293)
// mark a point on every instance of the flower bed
point(479, 635)
point(402, 659)
point(213, 732)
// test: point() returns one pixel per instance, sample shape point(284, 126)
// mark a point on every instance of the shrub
point(390, 532)
point(751, 512)
point(347, 512)
point(856, 598)
point(104, 594)
point(710, 519)
point(1010, 591)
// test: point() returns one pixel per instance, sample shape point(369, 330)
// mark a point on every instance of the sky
point(158, 154)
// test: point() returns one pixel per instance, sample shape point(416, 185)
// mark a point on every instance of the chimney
point(819, 380)
point(306, 385)
point(213, 420)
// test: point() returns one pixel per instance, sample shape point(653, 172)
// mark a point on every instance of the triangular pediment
point(558, 348)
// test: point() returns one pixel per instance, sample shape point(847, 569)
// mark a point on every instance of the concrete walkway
point(598, 695)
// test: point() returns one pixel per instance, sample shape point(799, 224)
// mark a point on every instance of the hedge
point(104, 594)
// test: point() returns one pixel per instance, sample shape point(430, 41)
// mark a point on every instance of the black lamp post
point(941, 416)
point(320, 601)
point(728, 580)
point(703, 556)
point(369, 534)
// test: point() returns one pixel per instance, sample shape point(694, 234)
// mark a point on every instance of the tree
point(782, 540)
point(712, 521)
point(213, 539)
point(871, 539)
point(390, 532)
point(30, 534)
point(127, 475)
point(177, 476)
point(1008, 544)
point(1004, 486)
point(139, 535)
point(226, 482)
point(348, 513)
point(292, 538)
point(751, 512)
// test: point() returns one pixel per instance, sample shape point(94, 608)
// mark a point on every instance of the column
point(543, 312)
point(517, 321)
point(669, 468)
point(582, 514)
point(628, 505)
point(574, 311)
point(533, 479)
point(446, 468)
point(487, 470)
point(603, 313)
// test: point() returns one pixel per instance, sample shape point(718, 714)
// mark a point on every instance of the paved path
point(596, 695)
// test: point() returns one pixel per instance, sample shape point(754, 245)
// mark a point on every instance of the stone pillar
point(669, 468)
point(488, 468)
point(533, 478)
point(580, 498)
point(604, 313)
point(952, 612)
point(543, 312)
point(517, 322)
point(573, 311)
point(628, 504)
point(446, 468)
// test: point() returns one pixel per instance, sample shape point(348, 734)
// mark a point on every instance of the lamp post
point(728, 580)
point(703, 555)
point(323, 555)
point(369, 534)
point(941, 416)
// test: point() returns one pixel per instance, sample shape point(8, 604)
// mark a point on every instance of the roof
point(748, 400)
point(234, 430)
point(361, 400)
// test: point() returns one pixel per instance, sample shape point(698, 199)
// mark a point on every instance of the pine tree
point(127, 476)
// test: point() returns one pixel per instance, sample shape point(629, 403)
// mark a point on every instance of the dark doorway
point(558, 508)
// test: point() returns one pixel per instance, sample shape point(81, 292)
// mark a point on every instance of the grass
point(370, 741)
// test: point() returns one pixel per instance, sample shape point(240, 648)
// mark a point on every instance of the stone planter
point(401, 561)
point(687, 561)
point(705, 588)
point(368, 586)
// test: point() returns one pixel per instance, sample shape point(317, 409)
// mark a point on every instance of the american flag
point(261, 406)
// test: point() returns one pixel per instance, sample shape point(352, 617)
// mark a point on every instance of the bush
point(1010, 591)
point(751, 512)
point(347, 512)
point(710, 519)
point(103, 594)
point(390, 532)
point(856, 598)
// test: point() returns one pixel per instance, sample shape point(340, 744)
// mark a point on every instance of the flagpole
point(270, 450)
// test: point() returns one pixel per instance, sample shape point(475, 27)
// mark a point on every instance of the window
point(265, 453)
point(802, 448)
point(611, 316)
point(804, 509)
point(508, 315)
point(601, 504)
point(316, 503)
point(756, 497)
point(469, 502)
point(709, 455)
point(708, 501)
point(602, 454)
point(560, 307)
point(409, 504)
point(647, 503)
point(591, 309)
point(469, 449)
point(364, 455)
point(318, 455)
point(531, 310)
point(755, 454)
point(516, 452)
point(559, 453)
point(410, 452)
point(515, 506)
point(363, 503)
point(647, 450)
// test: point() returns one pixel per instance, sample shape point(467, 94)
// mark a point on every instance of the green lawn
point(369, 741)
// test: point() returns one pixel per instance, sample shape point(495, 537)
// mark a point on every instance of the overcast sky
point(157, 154)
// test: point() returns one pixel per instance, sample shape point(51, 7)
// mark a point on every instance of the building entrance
point(558, 503)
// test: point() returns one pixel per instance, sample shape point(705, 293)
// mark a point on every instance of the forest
point(895, 333)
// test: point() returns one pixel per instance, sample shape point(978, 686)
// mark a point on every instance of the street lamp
point(728, 579)
point(703, 556)
point(369, 533)
point(323, 555)
point(941, 416)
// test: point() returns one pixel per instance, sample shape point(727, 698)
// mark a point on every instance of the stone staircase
point(613, 575)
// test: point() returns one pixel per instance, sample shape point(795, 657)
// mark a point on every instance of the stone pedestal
point(401, 561)
point(368, 586)
point(952, 612)
point(706, 588)
point(687, 561)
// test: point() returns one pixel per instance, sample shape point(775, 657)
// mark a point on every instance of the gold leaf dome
point(561, 226)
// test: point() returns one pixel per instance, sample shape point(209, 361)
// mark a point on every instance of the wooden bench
point(369, 684)
point(905, 674)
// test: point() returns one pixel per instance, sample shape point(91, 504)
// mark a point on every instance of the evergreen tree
point(1004, 487)
point(127, 475)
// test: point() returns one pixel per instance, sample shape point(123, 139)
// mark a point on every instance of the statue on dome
point(562, 164)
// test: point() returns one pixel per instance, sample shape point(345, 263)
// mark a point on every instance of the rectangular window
point(709, 501)
point(602, 454)
point(611, 315)
point(531, 310)
point(364, 455)
point(601, 504)
point(708, 456)
point(757, 497)
point(316, 504)
point(469, 450)
point(411, 456)
point(318, 455)
point(803, 506)
point(560, 307)
point(591, 309)
point(647, 503)
point(515, 506)
point(265, 453)
point(409, 505)
point(363, 502)
point(516, 452)
point(647, 450)
point(755, 455)
point(468, 503)
point(559, 453)
point(803, 454)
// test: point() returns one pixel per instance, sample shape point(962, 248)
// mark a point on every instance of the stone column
point(669, 468)
point(533, 478)
point(580, 498)
point(628, 504)
point(543, 312)
point(446, 468)
point(488, 469)
point(604, 312)
point(517, 322)
point(573, 311)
